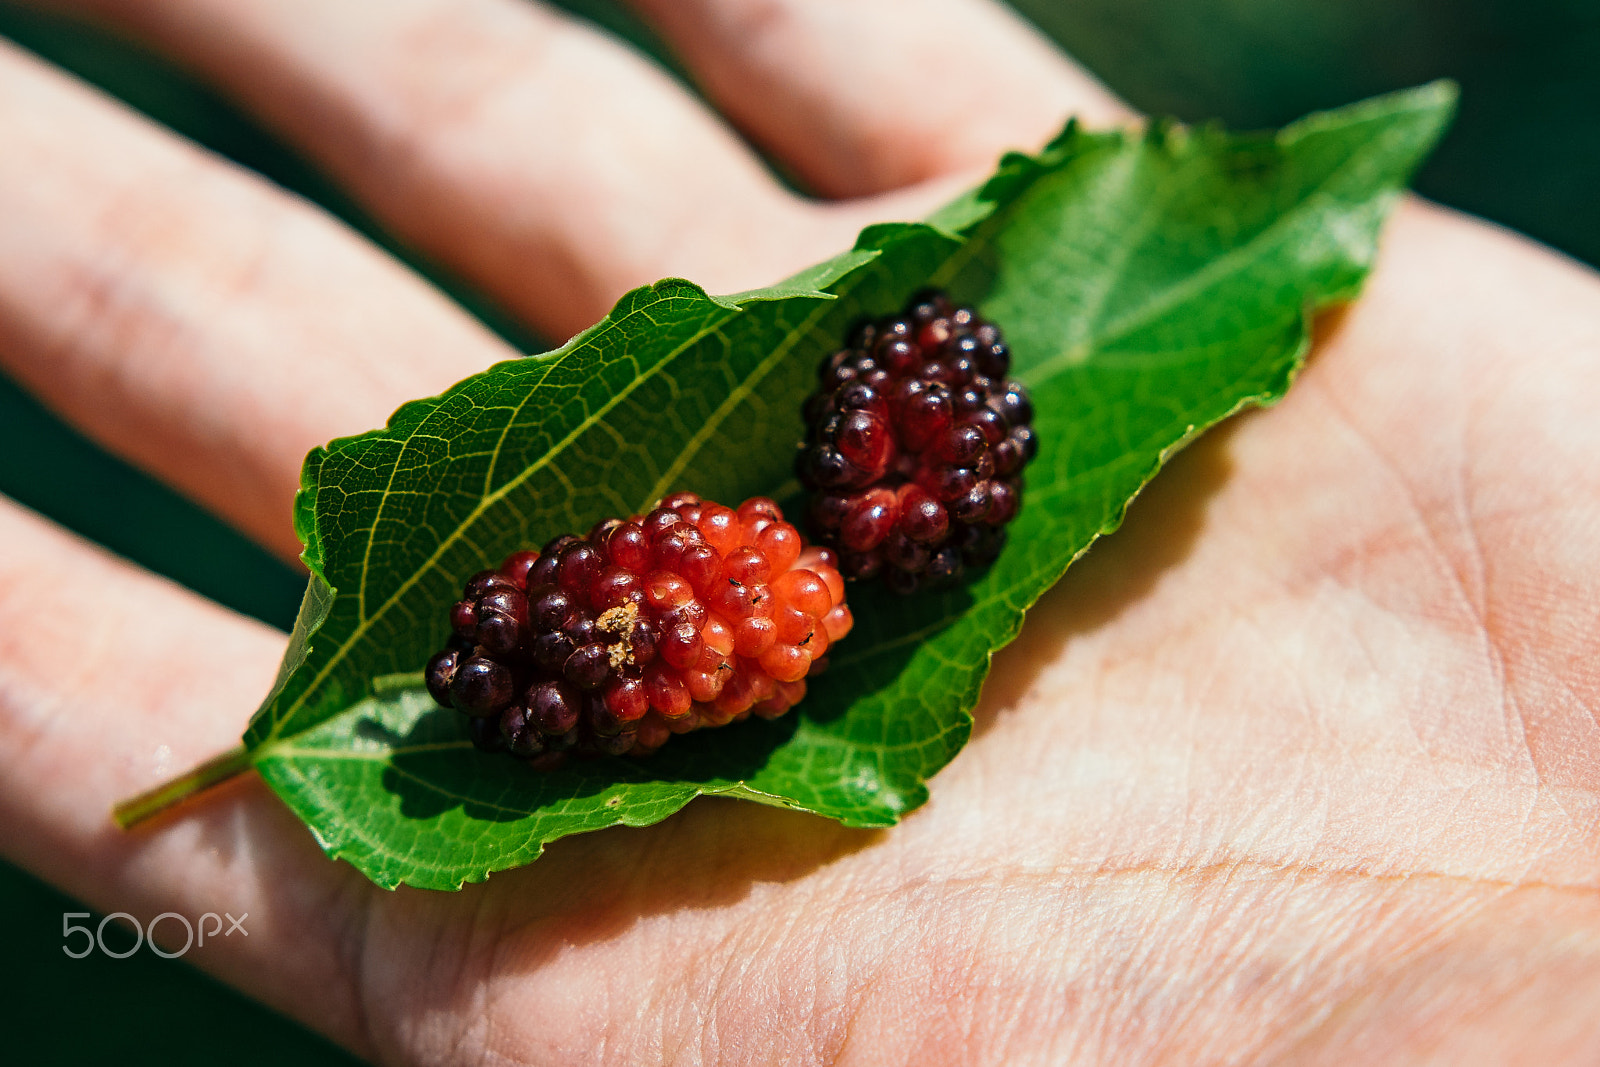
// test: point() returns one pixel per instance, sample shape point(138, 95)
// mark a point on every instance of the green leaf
point(1150, 283)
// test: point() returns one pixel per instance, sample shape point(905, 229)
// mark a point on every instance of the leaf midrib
point(736, 396)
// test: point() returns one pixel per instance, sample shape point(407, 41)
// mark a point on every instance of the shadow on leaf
point(433, 769)
point(875, 657)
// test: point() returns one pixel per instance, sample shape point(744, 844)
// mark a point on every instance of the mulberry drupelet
point(694, 615)
point(916, 446)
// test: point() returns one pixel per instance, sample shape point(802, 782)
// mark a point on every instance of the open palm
point(1301, 766)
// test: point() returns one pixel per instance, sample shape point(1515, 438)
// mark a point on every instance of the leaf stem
point(129, 813)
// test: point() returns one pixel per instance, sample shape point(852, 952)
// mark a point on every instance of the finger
point(112, 680)
point(539, 158)
point(860, 96)
point(193, 318)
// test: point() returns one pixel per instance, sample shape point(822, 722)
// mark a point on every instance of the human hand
point(1299, 766)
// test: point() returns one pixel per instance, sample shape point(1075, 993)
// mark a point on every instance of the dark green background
point(1525, 152)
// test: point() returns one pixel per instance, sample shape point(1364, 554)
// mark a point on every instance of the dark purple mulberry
point(917, 441)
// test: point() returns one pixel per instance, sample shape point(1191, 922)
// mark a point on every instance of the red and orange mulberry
point(694, 615)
